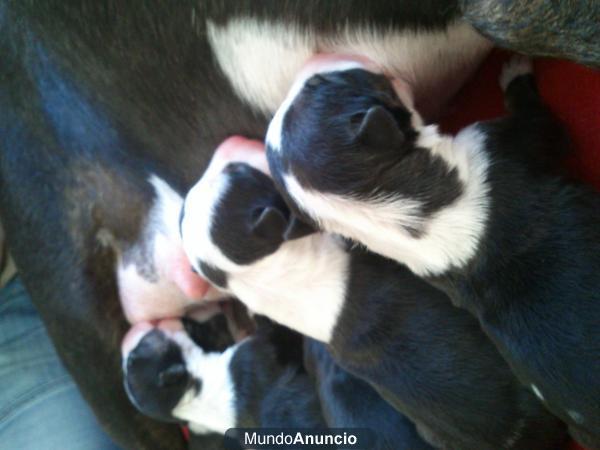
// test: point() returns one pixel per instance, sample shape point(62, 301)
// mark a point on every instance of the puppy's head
point(342, 131)
point(169, 364)
point(234, 215)
point(347, 151)
point(156, 375)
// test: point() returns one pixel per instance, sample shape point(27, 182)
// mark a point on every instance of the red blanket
point(572, 92)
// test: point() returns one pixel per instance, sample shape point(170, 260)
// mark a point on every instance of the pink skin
point(178, 291)
point(166, 286)
point(323, 61)
point(190, 284)
point(134, 336)
point(240, 149)
point(172, 326)
point(316, 62)
point(138, 331)
point(235, 147)
point(175, 290)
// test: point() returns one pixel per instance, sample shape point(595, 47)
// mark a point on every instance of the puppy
point(478, 215)
point(427, 358)
point(173, 373)
point(179, 372)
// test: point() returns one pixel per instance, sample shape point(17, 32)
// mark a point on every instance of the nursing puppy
point(187, 372)
point(179, 372)
point(478, 215)
point(428, 359)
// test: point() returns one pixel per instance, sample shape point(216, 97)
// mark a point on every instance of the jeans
point(40, 406)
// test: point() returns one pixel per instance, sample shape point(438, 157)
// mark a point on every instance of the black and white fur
point(428, 359)
point(480, 215)
point(97, 97)
point(211, 385)
point(182, 374)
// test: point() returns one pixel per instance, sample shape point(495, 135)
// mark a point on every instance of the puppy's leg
point(350, 402)
point(531, 133)
point(518, 84)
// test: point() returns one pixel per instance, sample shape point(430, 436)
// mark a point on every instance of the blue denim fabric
point(40, 406)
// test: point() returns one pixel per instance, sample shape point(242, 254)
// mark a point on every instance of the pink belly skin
point(157, 281)
point(168, 288)
point(154, 276)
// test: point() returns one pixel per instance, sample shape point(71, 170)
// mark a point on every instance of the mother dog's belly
point(154, 275)
point(261, 59)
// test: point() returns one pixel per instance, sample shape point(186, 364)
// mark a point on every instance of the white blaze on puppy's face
point(154, 276)
point(198, 209)
point(213, 408)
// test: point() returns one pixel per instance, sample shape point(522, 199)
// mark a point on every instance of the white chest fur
point(302, 285)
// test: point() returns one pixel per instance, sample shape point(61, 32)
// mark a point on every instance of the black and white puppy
point(428, 359)
point(477, 214)
point(188, 372)
point(179, 372)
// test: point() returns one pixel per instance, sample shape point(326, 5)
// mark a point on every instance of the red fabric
point(570, 90)
point(574, 446)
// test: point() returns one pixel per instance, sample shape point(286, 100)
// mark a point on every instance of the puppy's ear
point(269, 223)
point(379, 129)
point(297, 229)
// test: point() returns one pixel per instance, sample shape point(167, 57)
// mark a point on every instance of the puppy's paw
point(156, 376)
point(517, 66)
